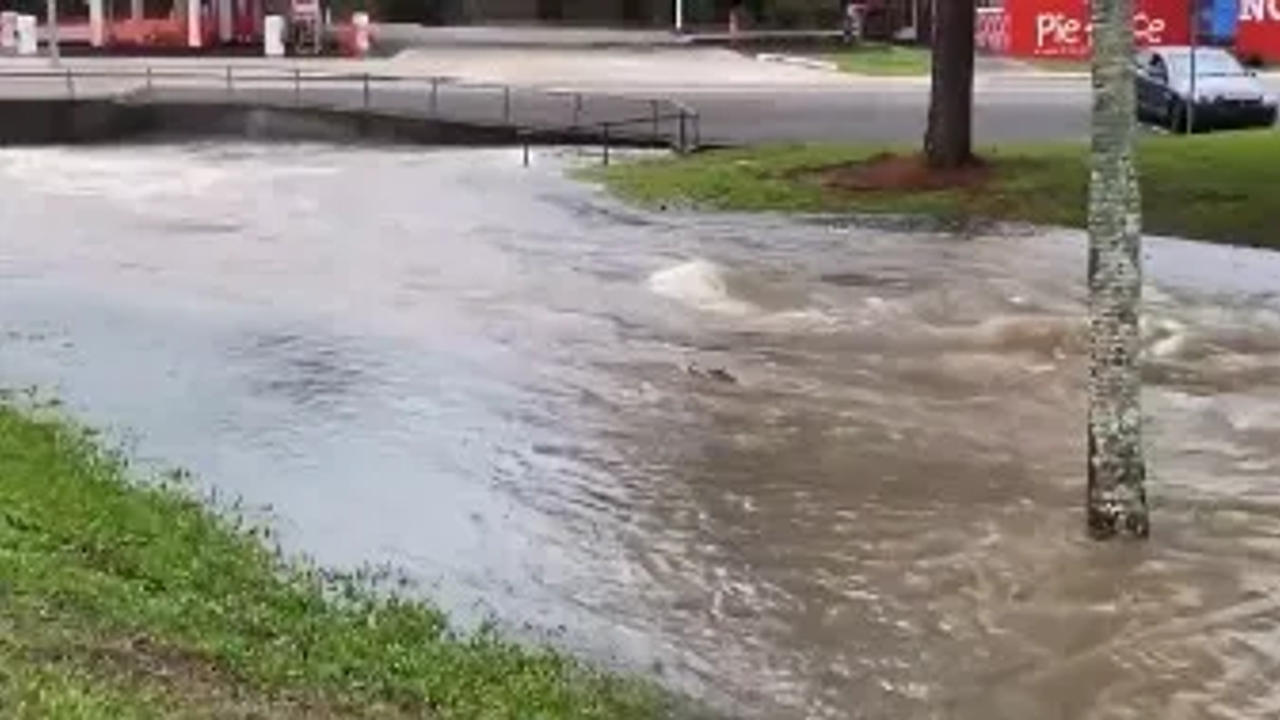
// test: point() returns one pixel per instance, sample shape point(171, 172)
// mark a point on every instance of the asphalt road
point(739, 100)
point(1048, 112)
point(744, 100)
point(892, 114)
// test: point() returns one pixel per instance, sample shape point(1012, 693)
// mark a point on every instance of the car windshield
point(1210, 62)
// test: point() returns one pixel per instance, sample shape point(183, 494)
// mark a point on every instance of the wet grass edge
point(123, 599)
point(1215, 187)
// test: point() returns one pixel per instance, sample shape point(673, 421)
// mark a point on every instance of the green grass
point(881, 59)
point(120, 600)
point(1219, 187)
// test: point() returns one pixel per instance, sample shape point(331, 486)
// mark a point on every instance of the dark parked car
point(1226, 94)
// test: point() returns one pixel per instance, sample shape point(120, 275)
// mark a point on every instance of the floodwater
point(503, 384)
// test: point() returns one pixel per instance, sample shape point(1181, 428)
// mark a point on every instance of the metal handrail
point(662, 112)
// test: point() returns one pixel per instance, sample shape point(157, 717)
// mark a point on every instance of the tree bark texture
point(1117, 502)
point(948, 142)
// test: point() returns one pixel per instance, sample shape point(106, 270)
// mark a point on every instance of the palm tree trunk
point(948, 141)
point(1117, 503)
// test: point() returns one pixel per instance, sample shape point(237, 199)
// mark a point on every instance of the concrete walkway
point(401, 35)
point(620, 69)
point(398, 36)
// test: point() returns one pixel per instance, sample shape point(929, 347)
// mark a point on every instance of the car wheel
point(1177, 117)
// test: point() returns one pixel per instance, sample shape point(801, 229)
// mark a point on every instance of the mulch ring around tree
point(893, 172)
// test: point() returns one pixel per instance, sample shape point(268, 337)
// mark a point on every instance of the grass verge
point(869, 58)
point(1217, 187)
point(120, 600)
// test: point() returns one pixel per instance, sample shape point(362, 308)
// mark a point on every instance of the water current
point(509, 387)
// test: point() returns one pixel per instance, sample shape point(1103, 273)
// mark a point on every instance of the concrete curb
point(829, 66)
point(1034, 75)
point(797, 60)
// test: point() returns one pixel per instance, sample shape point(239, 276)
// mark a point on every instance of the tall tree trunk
point(1117, 502)
point(924, 21)
point(948, 142)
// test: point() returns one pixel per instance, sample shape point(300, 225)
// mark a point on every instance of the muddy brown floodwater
point(479, 374)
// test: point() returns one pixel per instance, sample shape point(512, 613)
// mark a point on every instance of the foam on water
point(700, 284)
point(162, 174)
point(757, 302)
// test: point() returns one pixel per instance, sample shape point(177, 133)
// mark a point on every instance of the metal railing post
point(697, 131)
point(682, 142)
point(577, 109)
point(149, 85)
point(525, 138)
point(605, 128)
point(297, 87)
point(435, 97)
point(657, 121)
point(366, 91)
point(230, 87)
point(506, 104)
point(71, 86)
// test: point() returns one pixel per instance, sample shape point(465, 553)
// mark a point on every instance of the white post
point(26, 32)
point(95, 23)
point(193, 23)
point(1195, 40)
point(679, 12)
point(51, 22)
point(225, 28)
point(273, 36)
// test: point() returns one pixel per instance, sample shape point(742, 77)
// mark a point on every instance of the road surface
point(740, 99)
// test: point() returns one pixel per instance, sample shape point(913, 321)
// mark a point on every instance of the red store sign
point(1258, 33)
point(1061, 28)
